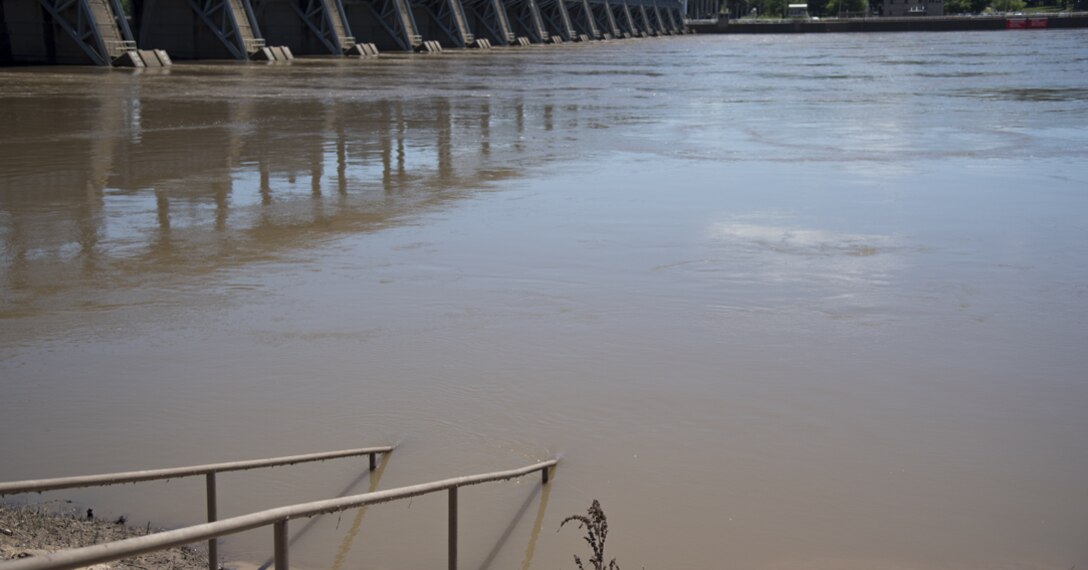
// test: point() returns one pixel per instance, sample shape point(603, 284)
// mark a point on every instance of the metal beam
point(644, 19)
point(77, 20)
point(395, 17)
point(219, 17)
point(492, 17)
point(556, 16)
point(605, 18)
point(526, 13)
point(662, 26)
point(449, 16)
point(327, 23)
point(582, 19)
point(627, 21)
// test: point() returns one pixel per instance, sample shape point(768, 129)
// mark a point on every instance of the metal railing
point(209, 471)
point(278, 518)
point(117, 47)
point(254, 44)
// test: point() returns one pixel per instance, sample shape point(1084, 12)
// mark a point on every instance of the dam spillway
point(150, 33)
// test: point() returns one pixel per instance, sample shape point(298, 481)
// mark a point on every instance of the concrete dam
point(149, 33)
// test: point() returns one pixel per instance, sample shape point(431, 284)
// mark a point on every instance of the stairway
point(458, 13)
point(106, 23)
point(245, 28)
point(333, 10)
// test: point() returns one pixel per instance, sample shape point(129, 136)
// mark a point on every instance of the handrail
point(39, 485)
point(278, 517)
point(208, 470)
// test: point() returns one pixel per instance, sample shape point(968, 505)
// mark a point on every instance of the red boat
point(1025, 23)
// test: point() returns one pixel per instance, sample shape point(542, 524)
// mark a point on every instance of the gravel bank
point(30, 531)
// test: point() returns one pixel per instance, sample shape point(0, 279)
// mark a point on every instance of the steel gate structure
point(99, 32)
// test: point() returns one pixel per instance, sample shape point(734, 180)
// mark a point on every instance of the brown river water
point(778, 302)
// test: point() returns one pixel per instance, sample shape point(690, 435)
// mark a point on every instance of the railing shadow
point(543, 491)
point(375, 478)
point(349, 539)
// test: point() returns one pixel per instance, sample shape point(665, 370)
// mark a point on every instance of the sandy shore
point(33, 531)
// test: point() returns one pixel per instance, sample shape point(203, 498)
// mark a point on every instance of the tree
point(847, 7)
point(738, 8)
point(957, 7)
point(977, 6)
point(1008, 5)
point(817, 8)
point(769, 8)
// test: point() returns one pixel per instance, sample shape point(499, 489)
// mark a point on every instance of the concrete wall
point(1078, 21)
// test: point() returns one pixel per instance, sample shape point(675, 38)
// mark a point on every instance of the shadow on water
point(543, 491)
point(375, 479)
point(539, 495)
point(530, 549)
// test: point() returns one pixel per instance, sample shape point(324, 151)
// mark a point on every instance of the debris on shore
point(34, 531)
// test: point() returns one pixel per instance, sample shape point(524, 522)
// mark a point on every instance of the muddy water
point(777, 302)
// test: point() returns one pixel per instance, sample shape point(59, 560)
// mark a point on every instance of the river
point(778, 302)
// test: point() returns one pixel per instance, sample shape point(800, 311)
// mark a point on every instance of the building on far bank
point(797, 10)
point(913, 8)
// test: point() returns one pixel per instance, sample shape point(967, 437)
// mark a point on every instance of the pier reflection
point(124, 186)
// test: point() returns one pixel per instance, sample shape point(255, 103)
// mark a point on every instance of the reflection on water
point(777, 301)
point(135, 197)
point(144, 186)
point(356, 523)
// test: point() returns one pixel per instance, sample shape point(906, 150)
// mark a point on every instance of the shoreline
point(35, 531)
point(878, 24)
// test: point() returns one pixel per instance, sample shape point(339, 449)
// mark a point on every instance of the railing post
point(373, 462)
point(213, 544)
point(544, 475)
point(453, 528)
point(279, 537)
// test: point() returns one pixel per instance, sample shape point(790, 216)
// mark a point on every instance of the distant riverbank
point(916, 24)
